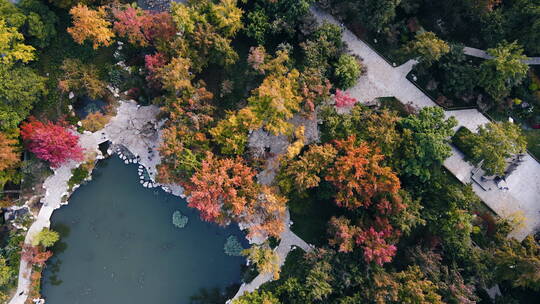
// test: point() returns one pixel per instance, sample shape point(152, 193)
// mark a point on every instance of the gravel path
point(383, 80)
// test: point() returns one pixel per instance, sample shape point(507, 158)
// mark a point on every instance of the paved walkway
point(483, 54)
point(288, 241)
point(383, 80)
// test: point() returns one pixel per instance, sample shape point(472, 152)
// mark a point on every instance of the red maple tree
point(152, 64)
point(143, 27)
point(34, 255)
point(52, 142)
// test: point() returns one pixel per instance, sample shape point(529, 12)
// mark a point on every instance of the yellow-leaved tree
point(89, 24)
point(12, 47)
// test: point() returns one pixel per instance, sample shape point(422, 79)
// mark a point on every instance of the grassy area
point(533, 142)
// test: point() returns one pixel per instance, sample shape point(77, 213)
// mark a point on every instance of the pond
point(119, 245)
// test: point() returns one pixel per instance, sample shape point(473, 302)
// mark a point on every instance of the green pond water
point(119, 245)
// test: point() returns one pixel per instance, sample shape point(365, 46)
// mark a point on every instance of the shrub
point(347, 72)
point(79, 174)
point(179, 220)
point(233, 247)
point(460, 140)
point(95, 121)
point(46, 238)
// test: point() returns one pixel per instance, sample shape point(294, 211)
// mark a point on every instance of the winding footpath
point(125, 128)
point(382, 80)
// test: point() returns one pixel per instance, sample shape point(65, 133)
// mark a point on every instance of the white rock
point(79, 123)
point(71, 96)
point(126, 162)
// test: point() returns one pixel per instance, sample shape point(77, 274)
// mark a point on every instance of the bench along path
point(383, 80)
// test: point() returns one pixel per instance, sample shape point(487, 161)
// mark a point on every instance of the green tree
point(323, 47)
point(504, 71)
point(459, 77)
point(81, 78)
point(425, 141)
point(519, 263)
point(347, 71)
point(40, 22)
point(427, 48)
point(46, 238)
point(523, 23)
point(376, 14)
point(257, 297)
point(20, 88)
point(257, 25)
point(494, 143)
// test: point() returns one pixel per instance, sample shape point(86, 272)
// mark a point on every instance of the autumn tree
point(185, 138)
point(519, 263)
point(449, 282)
point(494, 143)
point(81, 78)
point(504, 71)
point(142, 27)
point(206, 31)
point(343, 99)
point(90, 24)
point(267, 216)
point(425, 141)
point(265, 258)
point(407, 286)
point(376, 243)
point(323, 47)
point(306, 172)
point(277, 99)
point(34, 255)
point(52, 142)
point(314, 90)
point(427, 48)
point(20, 89)
point(231, 133)
point(95, 121)
point(256, 297)
point(46, 238)
point(12, 45)
point(381, 128)
point(8, 152)
point(342, 233)
point(360, 178)
point(222, 189)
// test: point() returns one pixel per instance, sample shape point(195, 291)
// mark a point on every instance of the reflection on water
point(118, 243)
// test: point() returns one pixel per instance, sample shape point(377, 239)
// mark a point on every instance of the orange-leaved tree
point(222, 189)
point(361, 179)
point(89, 24)
point(9, 157)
